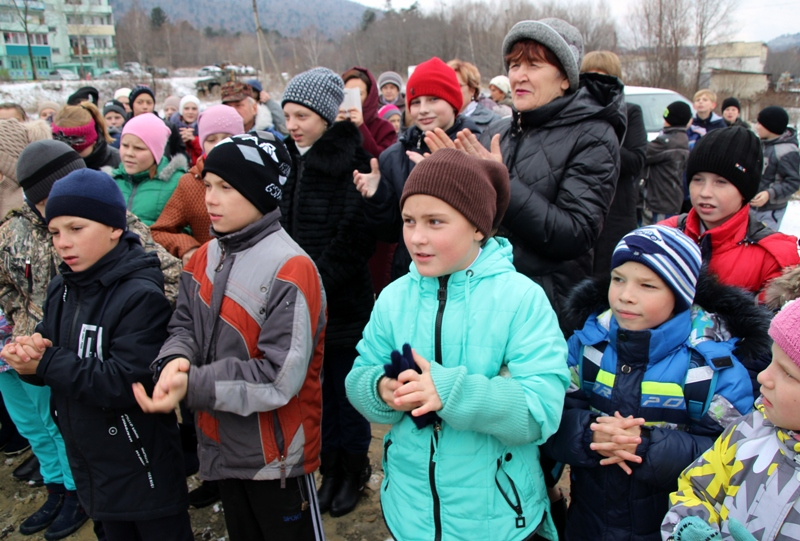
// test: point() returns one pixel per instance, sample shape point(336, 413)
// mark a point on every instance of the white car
point(654, 102)
point(206, 71)
point(62, 74)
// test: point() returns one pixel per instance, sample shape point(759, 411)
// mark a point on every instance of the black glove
point(400, 363)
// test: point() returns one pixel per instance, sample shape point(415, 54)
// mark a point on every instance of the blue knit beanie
point(89, 194)
point(667, 252)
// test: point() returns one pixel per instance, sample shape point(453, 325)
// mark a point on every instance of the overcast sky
point(757, 20)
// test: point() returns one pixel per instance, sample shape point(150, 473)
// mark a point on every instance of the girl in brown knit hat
point(486, 381)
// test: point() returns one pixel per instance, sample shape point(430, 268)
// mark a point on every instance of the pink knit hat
point(151, 130)
point(785, 330)
point(219, 119)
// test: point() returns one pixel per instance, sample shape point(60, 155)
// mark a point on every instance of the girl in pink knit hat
point(146, 178)
point(748, 484)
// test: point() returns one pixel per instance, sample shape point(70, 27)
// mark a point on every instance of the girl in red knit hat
point(433, 100)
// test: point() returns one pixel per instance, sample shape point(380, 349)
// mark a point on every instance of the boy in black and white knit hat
point(246, 349)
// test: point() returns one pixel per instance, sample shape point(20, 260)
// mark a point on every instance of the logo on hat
point(741, 168)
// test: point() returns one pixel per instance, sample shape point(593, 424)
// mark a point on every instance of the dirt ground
point(18, 501)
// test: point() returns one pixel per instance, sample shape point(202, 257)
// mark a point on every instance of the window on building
point(17, 38)
point(42, 62)
point(16, 64)
point(6, 17)
point(40, 39)
point(56, 50)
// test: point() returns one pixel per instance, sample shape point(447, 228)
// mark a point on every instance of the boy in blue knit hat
point(105, 319)
point(655, 379)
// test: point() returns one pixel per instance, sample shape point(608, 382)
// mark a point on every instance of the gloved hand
point(400, 363)
point(695, 529)
point(739, 532)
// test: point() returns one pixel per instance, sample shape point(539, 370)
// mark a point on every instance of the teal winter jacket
point(498, 361)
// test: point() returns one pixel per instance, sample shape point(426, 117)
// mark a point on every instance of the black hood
point(599, 97)
point(735, 307)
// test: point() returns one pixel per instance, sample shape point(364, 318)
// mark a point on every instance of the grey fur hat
point(319, 89)
point(563, 39)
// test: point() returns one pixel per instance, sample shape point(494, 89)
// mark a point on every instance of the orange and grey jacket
point(251, 319)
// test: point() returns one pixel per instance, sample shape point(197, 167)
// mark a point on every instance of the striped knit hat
point(667, 252)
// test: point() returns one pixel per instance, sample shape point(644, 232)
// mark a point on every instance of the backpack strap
point(590, 365)
point(701, 382)
point(682, 221)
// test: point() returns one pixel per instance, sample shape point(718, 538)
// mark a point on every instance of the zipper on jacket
point(280, 444)
point(29, 274)
point(133, 193)
point(437, 512)
point(74, 317)
point(441, 295)
point(221, 257)
point(516, 507)
point(386, 459)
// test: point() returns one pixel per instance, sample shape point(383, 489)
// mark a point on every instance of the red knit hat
point(478, 189)
point(435, 78)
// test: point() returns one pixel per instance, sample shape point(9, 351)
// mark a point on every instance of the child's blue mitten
point(739, 532)
point(695, 529)
point(400, 363)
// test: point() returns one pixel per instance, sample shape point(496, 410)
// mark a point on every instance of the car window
point(653, 107)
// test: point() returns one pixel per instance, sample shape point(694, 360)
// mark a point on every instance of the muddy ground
point(18, 501)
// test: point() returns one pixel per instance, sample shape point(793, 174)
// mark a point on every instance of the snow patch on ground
point(30, 95)
point(791, 220)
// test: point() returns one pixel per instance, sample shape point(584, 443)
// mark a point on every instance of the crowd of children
point(261, 311)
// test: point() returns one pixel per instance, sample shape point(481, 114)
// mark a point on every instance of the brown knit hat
point(13, 138)
point(478, 189)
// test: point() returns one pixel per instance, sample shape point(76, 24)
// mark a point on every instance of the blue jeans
point(29, 408)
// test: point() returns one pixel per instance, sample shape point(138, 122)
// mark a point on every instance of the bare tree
point(313, 42)
point(660, 30)
point(30, 23)
point(712, 22)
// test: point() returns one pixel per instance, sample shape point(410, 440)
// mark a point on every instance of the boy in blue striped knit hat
point(655, 379)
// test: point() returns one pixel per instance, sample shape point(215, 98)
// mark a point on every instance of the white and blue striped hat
point(667, 252)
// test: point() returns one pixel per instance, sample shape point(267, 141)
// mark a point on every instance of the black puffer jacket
point(621, 217)
point(107, 325)
point(383, 208)
point(324, 213)
point(563, 160)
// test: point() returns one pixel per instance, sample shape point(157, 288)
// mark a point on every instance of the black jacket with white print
point(107, 325)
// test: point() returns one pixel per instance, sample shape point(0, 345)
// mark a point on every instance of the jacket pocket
point(512, 485)
point(386, 444)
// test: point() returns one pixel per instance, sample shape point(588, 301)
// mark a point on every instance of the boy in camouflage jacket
point(27, 259)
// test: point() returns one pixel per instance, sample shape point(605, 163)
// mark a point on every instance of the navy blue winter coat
point(645, 374)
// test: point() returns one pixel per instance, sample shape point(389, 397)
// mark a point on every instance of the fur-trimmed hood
point(737, 309)
point(332, 154)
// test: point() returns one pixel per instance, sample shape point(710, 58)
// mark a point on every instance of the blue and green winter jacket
point(683, 377)
point(498, 360)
